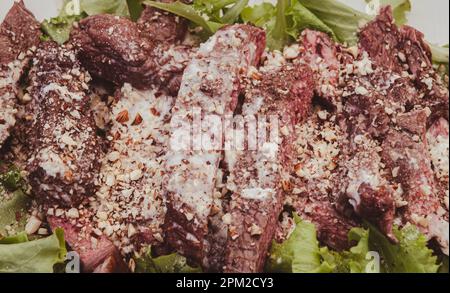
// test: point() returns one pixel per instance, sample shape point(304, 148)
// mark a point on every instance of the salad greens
point(301, 252)
point(189, 12)
point(59, 28)
point(13, 211)
point(172, 263)
point(400, 9)
point(372, 252)
point(13, 201)
point(411, 255)
point(283, 22)
point(18, 255)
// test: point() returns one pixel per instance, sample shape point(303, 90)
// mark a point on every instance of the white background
point(429, 16)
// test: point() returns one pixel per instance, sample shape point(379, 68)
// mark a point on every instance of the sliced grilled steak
point(326, 59)
point(438, 141)
point(416, 100)
point(161, 26)
point(318, 147)
point(407, 155)
point(97, 253)
point(404, 51)
point(119, 50)
point(211, 85)
point(132, 170)
point(65, 147)
point(259, 177)
point(19, 35)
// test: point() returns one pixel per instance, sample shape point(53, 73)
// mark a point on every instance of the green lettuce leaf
point(277, 36)
point(116, 7)
point(260, 15)
point(410, 255)
point(400, 9)
point(188, 12)
point(232, 14)
point(172, 263)
point(357, 258)
point(13, 212)
point(135, 9)
point(12, 179)
point(300, 18)
point(38, 256)
point(212, 9)
point(440, 53)
point(371, 252)
point(13, 201)
point(343, 20)
point(59, 28)
point(18, 238)
point(300, 253)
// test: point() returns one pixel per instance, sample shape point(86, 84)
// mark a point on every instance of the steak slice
point(417, 104)
point(97, 253)
point(325, 58)
point(404, 51)
point(65, 148)
point(409, 159)
point(210, 89)
point(119, 50)
point(19, 36)
point(438, 140)
point(317, 179)
point(259, 177)
point(161, 26)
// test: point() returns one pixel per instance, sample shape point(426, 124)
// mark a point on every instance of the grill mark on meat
point(19, 34)
point(259, 178)
point(211, 83)
point(65, 148)
point(121, 51)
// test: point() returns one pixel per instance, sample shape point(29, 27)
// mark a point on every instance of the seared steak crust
point(65, 147)
point(211, 84)
point(119, 50)
point(19, 36)
point(259, 178)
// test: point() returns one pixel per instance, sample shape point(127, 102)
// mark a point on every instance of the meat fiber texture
point(259, 177)
point(211, 84)
point(405, 148)
point(65, 147)
point(145, 54)
point(19, 36)
point(385, 98)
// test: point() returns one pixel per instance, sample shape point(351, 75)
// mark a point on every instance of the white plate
point(431, 16)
